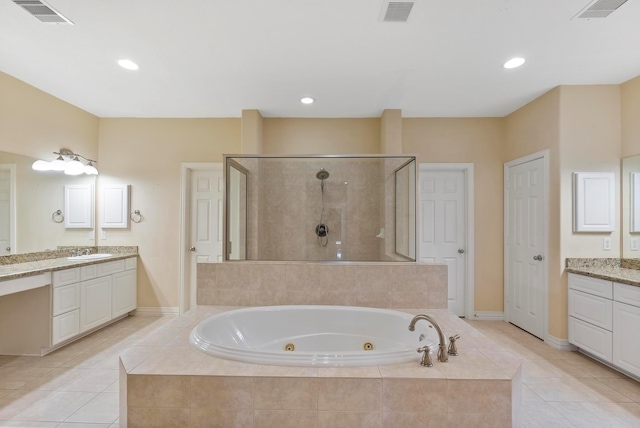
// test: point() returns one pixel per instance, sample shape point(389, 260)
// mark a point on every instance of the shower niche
point(319, 208)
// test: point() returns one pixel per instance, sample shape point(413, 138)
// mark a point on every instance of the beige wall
point(630, 133)
point(34, 123)
point(479, 141)
point(321, 136)
point(585, 128)
point(528, 130)
point(580, 125)
point(147, 153)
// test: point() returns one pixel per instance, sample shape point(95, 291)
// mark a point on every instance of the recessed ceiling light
point(128, 64)
point(307, 100)
point(514, 62)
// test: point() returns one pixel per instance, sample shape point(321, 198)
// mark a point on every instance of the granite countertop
point(625, 271)
point(20, 270)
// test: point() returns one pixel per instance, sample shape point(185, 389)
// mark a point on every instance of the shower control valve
point(322, 230)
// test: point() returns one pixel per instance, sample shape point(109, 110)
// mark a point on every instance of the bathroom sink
point(89, 257)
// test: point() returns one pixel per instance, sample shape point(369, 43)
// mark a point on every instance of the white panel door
point(525, 245)
point(206, 190)
point(443, 230)
point(5, 212)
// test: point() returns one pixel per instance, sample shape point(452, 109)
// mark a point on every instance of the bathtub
point(313, 336)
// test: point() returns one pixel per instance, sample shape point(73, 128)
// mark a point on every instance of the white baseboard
point(559, 344)
point(156, 312)
point(488, 316)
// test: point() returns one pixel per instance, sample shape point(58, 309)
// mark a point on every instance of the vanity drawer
point(66, 298)
point(625, 293)
point(595, 286)
point(65, 326)
point(64, 277)
point(592, 309)
point(131, 263)
point(592, 339)
point(110, 268)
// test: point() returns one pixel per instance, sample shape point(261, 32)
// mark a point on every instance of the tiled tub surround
point(184, 387)
point(379, 285)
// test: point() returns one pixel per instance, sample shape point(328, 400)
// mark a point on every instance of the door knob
point(537, 258)
point(192, 248)
point(461, 250)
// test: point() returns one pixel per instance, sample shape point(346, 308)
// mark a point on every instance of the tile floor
point(77, 386)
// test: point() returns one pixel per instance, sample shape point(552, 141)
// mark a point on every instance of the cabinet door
point(95, 302)
point(626, 346)
point(124, 293)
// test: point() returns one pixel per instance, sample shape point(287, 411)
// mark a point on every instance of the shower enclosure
point(320, 208)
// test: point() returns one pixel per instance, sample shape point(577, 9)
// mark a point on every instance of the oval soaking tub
point(313, 336)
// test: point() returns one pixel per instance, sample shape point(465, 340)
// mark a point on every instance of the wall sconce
point(67, 162)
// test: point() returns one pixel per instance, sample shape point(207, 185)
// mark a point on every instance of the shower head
point(322, 174)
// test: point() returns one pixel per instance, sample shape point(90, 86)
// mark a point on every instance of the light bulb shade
point(41, 165)
point(90, 169)
point(58, 164)
point(74, 167)
point(73, 172)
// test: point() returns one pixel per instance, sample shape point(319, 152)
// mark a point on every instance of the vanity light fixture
point(514, 63)
point(68, 162)
point(128, 64)
point(307, 100)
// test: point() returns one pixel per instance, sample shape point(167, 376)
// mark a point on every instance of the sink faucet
point(86, 252)
point(442, 348)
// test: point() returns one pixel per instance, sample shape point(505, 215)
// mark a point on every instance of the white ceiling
point(214, 58)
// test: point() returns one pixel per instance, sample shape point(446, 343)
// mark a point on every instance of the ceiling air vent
point(396, 11)
point(42, 11)
point(600, 8)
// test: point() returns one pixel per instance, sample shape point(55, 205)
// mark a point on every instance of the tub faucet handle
point(453, 349)
point(426, 358)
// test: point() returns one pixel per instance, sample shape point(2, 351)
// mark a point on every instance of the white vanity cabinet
point(591, 315)
point(626, 319)
point(87, 297)
point(65, 299)
point(603, 320)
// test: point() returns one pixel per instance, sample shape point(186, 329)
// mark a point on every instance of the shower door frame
point(230, 157)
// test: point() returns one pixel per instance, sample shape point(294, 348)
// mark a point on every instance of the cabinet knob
point(537, 258)
point(461, 250)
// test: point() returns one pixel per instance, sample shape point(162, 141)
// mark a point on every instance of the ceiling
point(214, 58)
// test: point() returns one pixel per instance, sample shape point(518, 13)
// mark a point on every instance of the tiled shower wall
point(385, 285)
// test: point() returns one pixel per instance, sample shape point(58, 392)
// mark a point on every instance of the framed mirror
point(319, 208)
point(29, 205)
point(630, 207)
